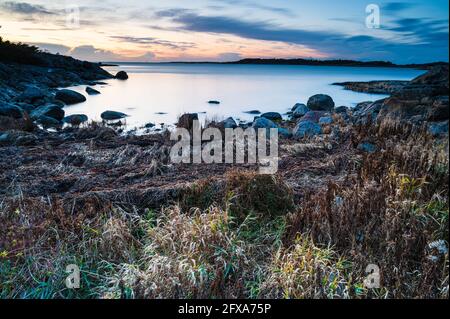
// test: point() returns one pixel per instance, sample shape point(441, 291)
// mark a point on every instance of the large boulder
point(307, 129)
point(187, 121)
point(70, 97)
point(121, 75)
point(320, 102)
point(75, 119)
point(299, 110)
point(273, 116)
point(113, 115)
point(52, 111)
point(91, 91)
point(10, 110)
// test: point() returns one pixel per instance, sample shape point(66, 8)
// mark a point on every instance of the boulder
point(299, 110)
point(121, 75)
point(52, 111)
point(320, 102)
point(75, 119)
point(187, 121)
point(149, 125)
point(273, 116)
point(48, 122)
point(253, 112)
point(313, 116)
point(31, 94)
point(69, 97)
point(262, 122)
point(18, 138)
point(113, 115)
point(10, 110)
point(213, 102)
point(325, 120)
point(307, 129)
point(91, 91)
point(229, 123)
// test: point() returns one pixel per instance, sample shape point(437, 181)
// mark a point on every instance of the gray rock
point(91, 91)
point(229, 123)
point(69, 97)
point(48, 122)
point(263, 122)
point(113, 115)
point(325, 120)
point(367, 147)
point(299, 110)
point(438, 129)
point(253, 112)
point(320, 102)
point(149, 125)
point(31, 94)
point(307, 128)
point(75, 119)
point(52, 111)
point(213, 102)
point(341, 110)
point(187, 120)
point(10, 110)
point(284, 133)
point(273, 116)
point(121, 75)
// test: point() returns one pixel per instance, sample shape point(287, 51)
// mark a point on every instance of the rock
point(438, 129)
point(48, 122)
point(75, 119)
point(229, 123)
point(299, 110)
point(262, 122)
point(273, 116)
point(341, 110)
point(91, 91)
point(52, 111)
point(121, 75)
point(368, 111)
point(113, 115)
point(187, 121)
point(374, 87)
point(19, 138)
point(313, 116)
point(149, 125)
point(325, 120)
point(31, 94)
point(367, 147)
point(213, 102)
point(284, 133)
point(307, 128)
point(69, 97)
point(253, 112)
point(320, 102)
point(10, 110)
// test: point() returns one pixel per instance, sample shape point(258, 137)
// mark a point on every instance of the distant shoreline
point(296, 62)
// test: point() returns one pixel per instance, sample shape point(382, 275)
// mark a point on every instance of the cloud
point(52, 48)
point(176, 45)
point(258, 6)
point(24, 8)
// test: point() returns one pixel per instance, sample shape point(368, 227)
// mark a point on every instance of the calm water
point(158, 93)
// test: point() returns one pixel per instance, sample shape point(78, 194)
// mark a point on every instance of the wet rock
point(320, 102)
point(307, 129)
point(213, 102)
point(75, 119)
point(121, 75)
point(187, 121)
point(91, 91)
point(10, 110)
point(52, 111)
point(367, 147)
point(273, 116)
point(113, 115)
point(69, 97)
point(438, 129)
point(299, 110)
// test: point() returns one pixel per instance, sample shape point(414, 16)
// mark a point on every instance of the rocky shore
point(348, 178)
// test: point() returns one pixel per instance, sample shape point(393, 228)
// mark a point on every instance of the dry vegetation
point(308, 232)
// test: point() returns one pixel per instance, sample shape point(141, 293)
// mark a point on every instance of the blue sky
point(211, 30)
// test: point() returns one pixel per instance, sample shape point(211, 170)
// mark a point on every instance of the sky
point(227, 30)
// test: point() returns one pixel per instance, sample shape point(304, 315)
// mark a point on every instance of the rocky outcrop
point(374, 87)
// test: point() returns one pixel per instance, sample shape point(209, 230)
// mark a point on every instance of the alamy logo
point(73, 279)
point(372, 280)
point(239, 146)
point(373, 19)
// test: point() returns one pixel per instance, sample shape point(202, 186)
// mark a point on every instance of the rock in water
point(52, 111)
point(122, 75)
point(76, 119)
point(113, 115)
point(273, 116)
point(307, 128)
point(320, 102)
point(69, 97)
point(213, 102)
point(91, 91)
point(10, 110)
